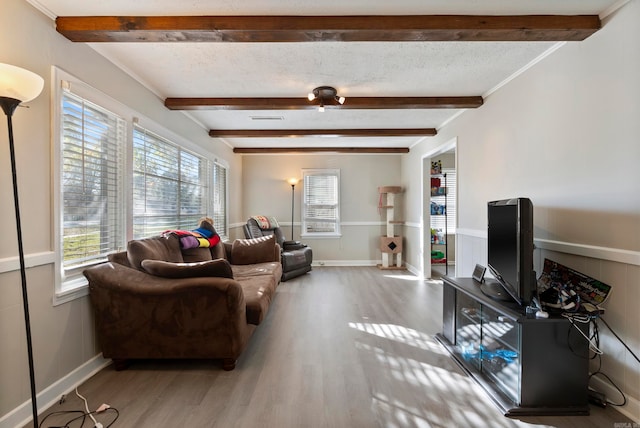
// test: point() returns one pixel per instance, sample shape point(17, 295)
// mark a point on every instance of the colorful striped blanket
point(265, 222)
point(198, 238)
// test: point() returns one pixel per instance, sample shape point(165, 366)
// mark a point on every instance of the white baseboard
point(337, 263)
point(319, 263)
point(415, 271)
point(22, 414)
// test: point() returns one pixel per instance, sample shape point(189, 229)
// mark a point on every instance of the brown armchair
point(296, 258)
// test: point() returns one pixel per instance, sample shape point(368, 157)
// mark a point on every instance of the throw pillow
point(157, 248)
point(256, 250)
point(218, 268)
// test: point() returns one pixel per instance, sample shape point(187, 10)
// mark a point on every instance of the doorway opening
point(439, 195)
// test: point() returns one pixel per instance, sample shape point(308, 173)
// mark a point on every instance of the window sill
point(321, 235)
point(71, 290)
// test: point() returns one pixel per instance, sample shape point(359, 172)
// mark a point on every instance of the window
point(116, 180)
point(219, 211)
point(91, 183)
point(170, 185)
point(321, 202)
point(438, 222)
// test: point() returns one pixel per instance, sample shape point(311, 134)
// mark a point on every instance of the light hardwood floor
point(340, 347)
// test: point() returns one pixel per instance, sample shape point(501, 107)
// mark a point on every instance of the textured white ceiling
point(362, 69)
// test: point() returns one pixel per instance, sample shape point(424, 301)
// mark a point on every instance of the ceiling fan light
point(311, 96)
point(321, 108)
point(340, 100)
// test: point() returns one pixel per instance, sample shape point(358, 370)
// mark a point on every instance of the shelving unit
point(391, 244)
point(438, 207)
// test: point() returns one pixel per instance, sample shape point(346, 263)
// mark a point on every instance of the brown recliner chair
point(296, 258)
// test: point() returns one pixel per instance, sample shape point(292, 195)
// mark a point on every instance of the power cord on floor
point(86, 407)
point(81, 415)
point(599, 373)
point(594, 346)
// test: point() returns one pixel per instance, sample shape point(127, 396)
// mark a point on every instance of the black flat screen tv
point(510, 250)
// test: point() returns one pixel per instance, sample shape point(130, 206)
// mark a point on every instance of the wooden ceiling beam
point(284, 133)
point(352, 150)
point(302, 103)
point(367, 28)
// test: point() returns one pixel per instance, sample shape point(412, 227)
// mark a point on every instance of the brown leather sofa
point(156, 301)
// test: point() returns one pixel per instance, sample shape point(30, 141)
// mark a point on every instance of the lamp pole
point(18, 85)
point(293, 182)
point(9, 105)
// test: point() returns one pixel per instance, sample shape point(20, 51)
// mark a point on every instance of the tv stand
point(492, 288)
point(527, 366)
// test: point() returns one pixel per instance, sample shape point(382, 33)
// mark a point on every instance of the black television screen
point(510, 250)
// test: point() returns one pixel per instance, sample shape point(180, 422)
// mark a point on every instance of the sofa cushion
point(119, 257)
point(249, 251)
point(257, 269)
point(165, 248)
point(218, 251)
point(219, 268)
point(199, 254)
point(258, 292)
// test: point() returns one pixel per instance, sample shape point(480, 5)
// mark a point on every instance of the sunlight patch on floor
point(418, 373)
point(401, 415)
point(430, 389)
point(400, 334)
point(433, 281)
point(406, 277)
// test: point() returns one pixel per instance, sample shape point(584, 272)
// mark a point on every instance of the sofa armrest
point(292, 245)
point(138, 314)
point(229, 245)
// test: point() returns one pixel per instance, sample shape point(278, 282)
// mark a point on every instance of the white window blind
point(91, 180)
point(170, 185)
point(321, 202)
point(219, 214)
point(438, 222)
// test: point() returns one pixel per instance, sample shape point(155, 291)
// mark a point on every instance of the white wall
point(267, 193)
point(565, 134)
point(63, 336)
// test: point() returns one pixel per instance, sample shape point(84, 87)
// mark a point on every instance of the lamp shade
point(19, 84)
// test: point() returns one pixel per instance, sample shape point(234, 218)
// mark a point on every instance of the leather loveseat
point(157, 301)
point(296, 257)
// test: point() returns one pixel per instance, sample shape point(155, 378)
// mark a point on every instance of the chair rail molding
point(9, 264)
point(594, 251)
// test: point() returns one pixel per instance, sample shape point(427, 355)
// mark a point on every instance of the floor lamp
point(293, 182)
point(18, 85)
